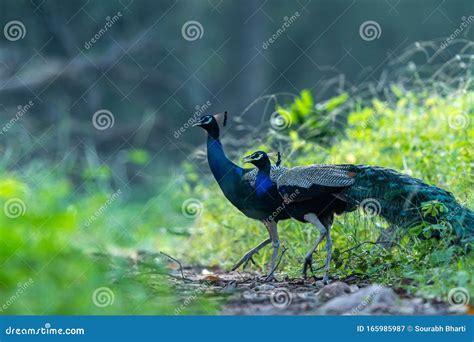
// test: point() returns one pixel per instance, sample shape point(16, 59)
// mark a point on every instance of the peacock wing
point(275, 173)
point(305, 182)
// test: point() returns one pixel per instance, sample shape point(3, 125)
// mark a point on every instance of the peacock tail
point(404, 201)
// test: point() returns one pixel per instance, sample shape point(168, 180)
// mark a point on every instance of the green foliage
point(414, 134)
point(60, 246)
point(310, 121)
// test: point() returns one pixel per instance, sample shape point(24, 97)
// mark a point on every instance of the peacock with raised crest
point(316, 193)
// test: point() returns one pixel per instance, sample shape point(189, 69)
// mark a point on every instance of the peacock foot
point(248, 257)
point(270, 277)
point(308, 264)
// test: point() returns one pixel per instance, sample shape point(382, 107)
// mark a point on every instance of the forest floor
point(246, 293)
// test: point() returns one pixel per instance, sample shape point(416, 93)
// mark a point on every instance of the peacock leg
point(248, 256)
point(328, 257)
point(273, 231)
point(308, 260)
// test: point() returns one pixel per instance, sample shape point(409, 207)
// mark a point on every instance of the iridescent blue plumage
point(251, 196)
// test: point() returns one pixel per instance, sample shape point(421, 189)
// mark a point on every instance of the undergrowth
point(423, 134)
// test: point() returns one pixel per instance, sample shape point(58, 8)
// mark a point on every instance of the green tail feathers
point(406, 201)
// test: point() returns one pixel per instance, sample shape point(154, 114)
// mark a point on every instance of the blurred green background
point(99, 167)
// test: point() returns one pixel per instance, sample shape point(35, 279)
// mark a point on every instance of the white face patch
point(258, 157)
point(207, 120)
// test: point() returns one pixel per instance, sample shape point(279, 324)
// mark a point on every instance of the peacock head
point(260, 159)
point(210, 122)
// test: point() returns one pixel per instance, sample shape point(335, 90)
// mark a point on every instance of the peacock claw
point(269, 278)
point(249, 260)
point(308, 263)
point(248, 257)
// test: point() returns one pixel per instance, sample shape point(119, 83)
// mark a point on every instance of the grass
point(74, 239)
point(422, 134)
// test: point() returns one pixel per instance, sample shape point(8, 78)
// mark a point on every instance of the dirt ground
point(246, 293)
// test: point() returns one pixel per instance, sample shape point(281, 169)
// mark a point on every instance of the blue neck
point(263, 183)
point(221, 167)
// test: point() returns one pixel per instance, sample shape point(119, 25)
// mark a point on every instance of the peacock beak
point(247, 159)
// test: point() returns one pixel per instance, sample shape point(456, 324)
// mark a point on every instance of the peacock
point(316, 193)
point(238, 186)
